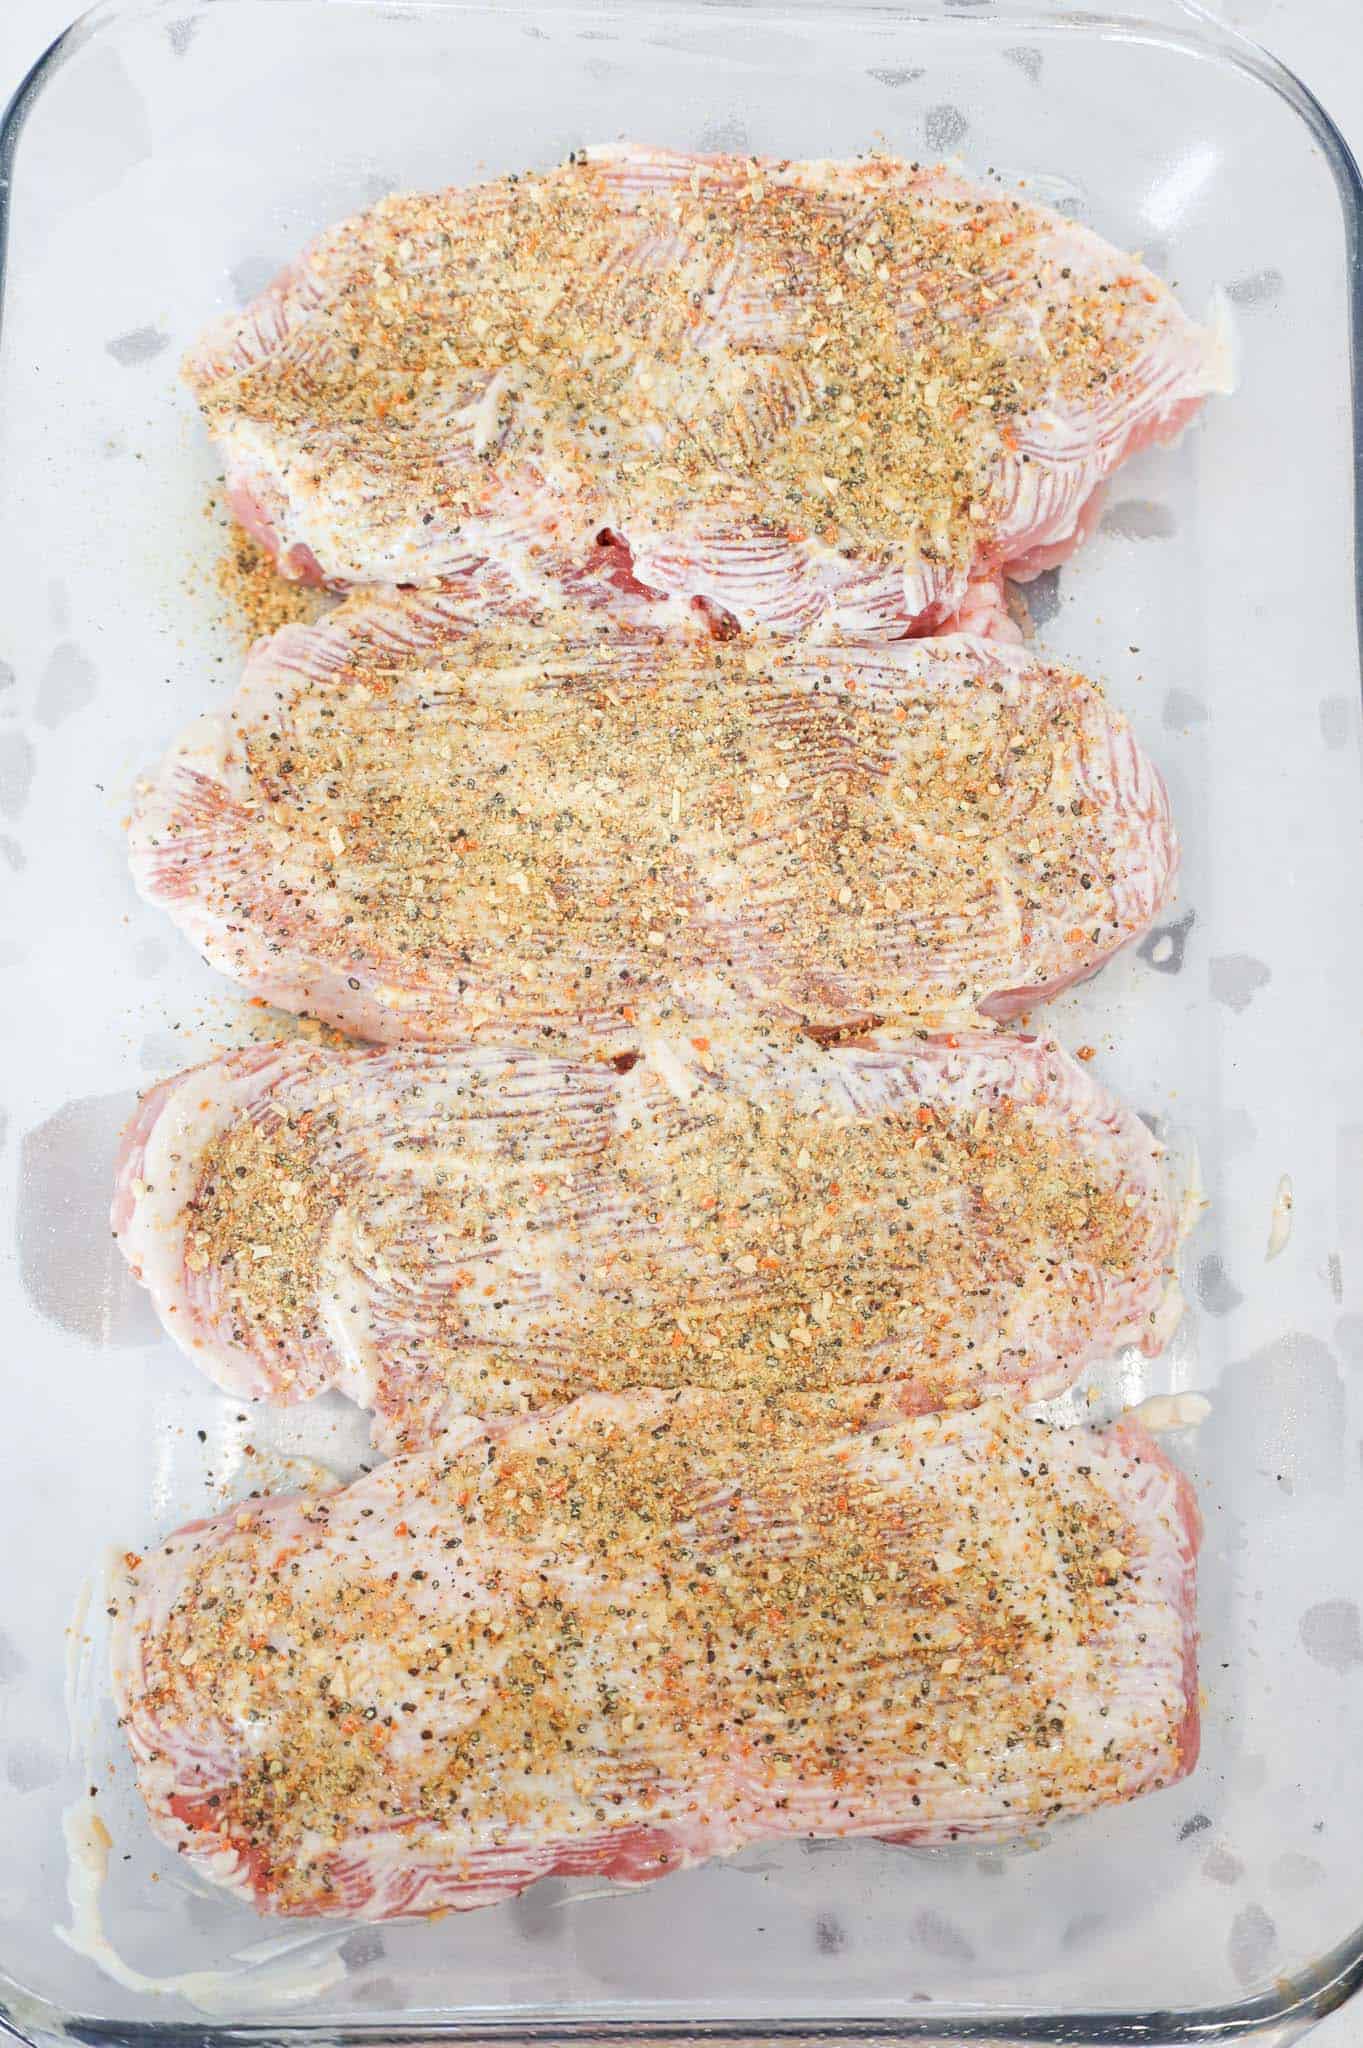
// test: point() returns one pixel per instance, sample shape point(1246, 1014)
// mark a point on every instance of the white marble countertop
point(1321, 40)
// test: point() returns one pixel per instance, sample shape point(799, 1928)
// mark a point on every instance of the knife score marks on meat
point(647, 1629)
point(430, 818)
point(481, 1231)
point(807, 396)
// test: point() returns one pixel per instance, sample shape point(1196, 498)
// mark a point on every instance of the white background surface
point(1322, 40)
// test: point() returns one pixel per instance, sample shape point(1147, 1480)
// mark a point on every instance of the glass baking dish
point(159, 165)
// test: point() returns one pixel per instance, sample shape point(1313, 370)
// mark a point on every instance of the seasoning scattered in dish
point(843, 395)
point(648, 1629)
point(256, 597)
point(485, 1231)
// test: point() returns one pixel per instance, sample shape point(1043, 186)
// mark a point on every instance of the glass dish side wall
point(168, 162)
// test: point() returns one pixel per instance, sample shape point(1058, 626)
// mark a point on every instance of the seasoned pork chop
point(650, 1628)
point(424, 819)
point(839, 395)
point(478, 1231)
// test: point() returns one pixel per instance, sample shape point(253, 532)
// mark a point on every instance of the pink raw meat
point(804, 394)
point(481, 1231)
point(648, 1629)
point(443, 816)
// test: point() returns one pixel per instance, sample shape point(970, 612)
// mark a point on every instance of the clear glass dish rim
point(1298, 2001)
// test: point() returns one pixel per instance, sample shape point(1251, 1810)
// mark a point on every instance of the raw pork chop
point(839, 393)
point(650, 1628)
point(424, 820)
point(477, 1232)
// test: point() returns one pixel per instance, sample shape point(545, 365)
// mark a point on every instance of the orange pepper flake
point(701, 1044)
point(1088, 1052)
